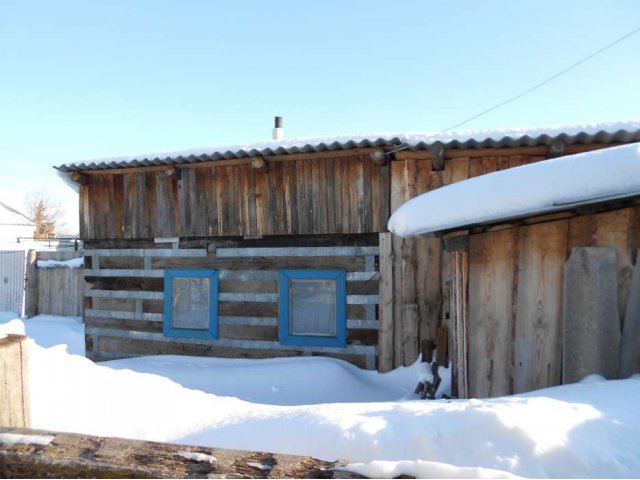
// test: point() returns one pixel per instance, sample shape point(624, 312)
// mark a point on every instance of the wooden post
point(31, 286)
point(385, 340)
point(14, 382)
point(410, 330)
point(460, 324)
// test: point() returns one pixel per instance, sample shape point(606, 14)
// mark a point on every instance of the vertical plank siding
point(491, 315)
point(538, 322)
point(60, 289)
point(515, 293)
point(314, 196)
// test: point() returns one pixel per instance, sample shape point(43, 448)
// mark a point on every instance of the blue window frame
point(191, 303)
point(312, 307)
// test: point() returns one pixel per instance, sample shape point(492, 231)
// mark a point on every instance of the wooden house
point(282, 248)
point(541, 283)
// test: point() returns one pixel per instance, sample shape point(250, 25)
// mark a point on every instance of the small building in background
point(13, 225)
point(281, 248)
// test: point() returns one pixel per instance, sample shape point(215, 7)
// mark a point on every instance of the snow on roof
point(541, 187)
point(624, 131)
point(11, 216)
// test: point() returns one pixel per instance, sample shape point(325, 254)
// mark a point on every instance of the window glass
point(191, 303)
point(312, 307)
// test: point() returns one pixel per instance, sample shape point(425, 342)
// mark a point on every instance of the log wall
point(124, 300)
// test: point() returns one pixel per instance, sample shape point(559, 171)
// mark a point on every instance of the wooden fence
point(54, 290)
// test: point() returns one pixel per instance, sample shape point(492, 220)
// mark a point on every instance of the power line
point(545, 81)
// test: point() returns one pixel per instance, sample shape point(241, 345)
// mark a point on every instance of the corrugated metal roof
point(524, 137)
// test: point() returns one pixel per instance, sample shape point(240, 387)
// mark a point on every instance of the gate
point(12, 271)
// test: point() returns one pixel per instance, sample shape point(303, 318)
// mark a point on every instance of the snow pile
point(12, 438)
point(589, 429)
point(537, 188)
point(73, 263)
point(281, 381)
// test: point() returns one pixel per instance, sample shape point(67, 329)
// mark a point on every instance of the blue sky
point(87, 79)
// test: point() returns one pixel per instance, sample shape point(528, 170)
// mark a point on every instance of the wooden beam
point(438, 153)
point(459, 242)
point(31, 285)
point(231, 343)
point(378, 157)
point(385, 335)
point(460, 324)
point(143, 316)
point(79, 178)
point(146, 252)
point(26, 453)
point(124, 294)
point(123, 272)
point(259, 164)
point(296, 252)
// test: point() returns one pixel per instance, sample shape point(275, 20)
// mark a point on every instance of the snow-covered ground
point(329, 409)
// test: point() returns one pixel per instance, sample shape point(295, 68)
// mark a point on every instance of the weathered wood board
point(491, 316)
point(538, 327)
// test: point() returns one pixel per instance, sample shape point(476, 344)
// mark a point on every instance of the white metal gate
point(12, 277)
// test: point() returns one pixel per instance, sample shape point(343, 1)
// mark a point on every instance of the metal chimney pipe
point(278, 131)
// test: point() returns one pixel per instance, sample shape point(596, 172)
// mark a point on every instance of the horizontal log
point(123, 272)
point(146, 252)
point(248, 275)
point(363, 299)
point(149, 317)
point(119, 304)
point(116, 262)
point(297, 252)
point(362, 276)
point(248, 297)
point(47, 454)
point(120, 324)
point(244, 332)
point(231, 343)
point(248, 286)
point(350, 264)
point(248, 309)
point(112, 348)
point(134, 284)
point(363, 324)
point(127, 294)
point(325, 240)
point(252, 321)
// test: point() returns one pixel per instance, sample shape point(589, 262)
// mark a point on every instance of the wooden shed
point(281, 248)
point(541, 284)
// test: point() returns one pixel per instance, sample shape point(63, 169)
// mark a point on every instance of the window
point(312, 307)
point(191, 303)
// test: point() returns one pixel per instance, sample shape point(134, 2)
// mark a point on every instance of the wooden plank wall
point(124, 300)
point(420, 271)
point(60, 290)
point(340, 195)
point(515, 296)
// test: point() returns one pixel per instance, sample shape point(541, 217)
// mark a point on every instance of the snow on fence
point(58, 283)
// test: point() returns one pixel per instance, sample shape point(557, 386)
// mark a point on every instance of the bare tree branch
point(45, 213)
